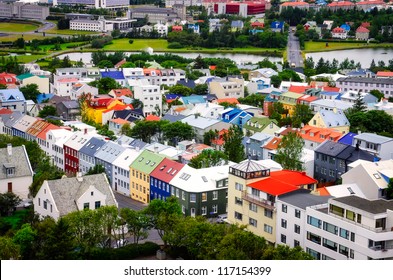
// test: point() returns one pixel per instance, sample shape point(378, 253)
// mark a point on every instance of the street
point(294, 53)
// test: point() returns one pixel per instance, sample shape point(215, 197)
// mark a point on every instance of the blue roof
point(193, 99)
point(172, 96)
point(117, 75)
point(359, 72)
point(277, 24)
point(347, 138)
point(92, 146)
point(237, 23)
point(11, 95)
point(109, 152)
point(329, 93)
point(44, 96)
point(346, 27)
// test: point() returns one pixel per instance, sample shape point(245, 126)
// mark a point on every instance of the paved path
point(294, 56)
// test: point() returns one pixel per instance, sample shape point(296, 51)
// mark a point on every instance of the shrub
point(131, 41)
point(175, 45)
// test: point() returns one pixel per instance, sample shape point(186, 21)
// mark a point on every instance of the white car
point(222, 218)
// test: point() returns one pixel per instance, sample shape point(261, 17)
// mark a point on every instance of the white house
point(162, 29)
point(378, 145)
point(57, 198)
point(151, 98)
point(55, 139)
point(16, 174)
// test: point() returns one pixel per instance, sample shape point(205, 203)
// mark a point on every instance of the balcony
point(258, 201)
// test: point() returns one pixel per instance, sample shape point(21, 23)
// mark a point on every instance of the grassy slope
point(17, 27)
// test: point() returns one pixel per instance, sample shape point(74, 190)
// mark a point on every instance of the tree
point(137, 104)
point(275, 81)
point(105, 85)
point(253, 100)
point(8, 249)
point(289, 152)
point(302, 115)
point(359, 105)
point(177, 131)
point(138, 223)
point(379, 95)
point(8, 203)
point(145, 130)
point(30, 92)
point(19, 43)
point(233, 147)
point(97, 169)
point(25, 238)
point(201, 89)
point(180, 89)
point(209, 136)
point(284, 252)
point(125, 129)
point(48, 110)
point(208, 158)
point(105, 64)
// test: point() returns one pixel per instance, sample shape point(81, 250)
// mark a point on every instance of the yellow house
point(96, 107)
point(335, 119)
point(41, 81)
point(140, 170)
point(289, 101)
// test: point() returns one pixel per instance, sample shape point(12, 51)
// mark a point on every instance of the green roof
point(292, 95)
point(24, 76)
point(147, 161)
point(263, 123)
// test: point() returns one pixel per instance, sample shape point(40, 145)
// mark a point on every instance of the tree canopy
point(289, 152)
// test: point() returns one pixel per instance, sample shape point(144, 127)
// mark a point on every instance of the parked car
point(222, 218)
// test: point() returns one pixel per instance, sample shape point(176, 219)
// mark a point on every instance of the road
point(294, 57)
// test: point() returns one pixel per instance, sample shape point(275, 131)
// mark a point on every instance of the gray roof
point(71, 104)
point(138, 144)
point(332, 119)
point(248, 166)
point(365, 80)
point(172, 118)
point(67, 191)
point(330, 148)
point(124, 140)
point(12, 119)
point(303, 199)
point(18, 159)
point(341, 105)
point(92, 146)
point(109, 152)
point(373, 138)
point(371, 206)
point(259, 136)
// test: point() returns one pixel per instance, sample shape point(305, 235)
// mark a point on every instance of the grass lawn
point(321, 46)
point(16, 217)
point(17, 27)
point(29, 58)
point(27, 37)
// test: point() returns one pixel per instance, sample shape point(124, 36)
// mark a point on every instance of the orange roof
point(334, 89)
point(148, 71)
point(342, 3)
point(291, 4)
point(362, 29)
point(371, 3)
point(308, 98)
point(298, 89)
point(152, 118)
point(122, 92)
point(273, 144)
point(179, 109)
point(328, 133)
point(218, 142)
point(229, 100)
point(42, 134)
point(119, 107)
point(119, 121)
point(323, 191)
point(273, 187)
point(295, 178)
point(68, 80)
point(5, 111)
point(212, 67)
point(385, 74)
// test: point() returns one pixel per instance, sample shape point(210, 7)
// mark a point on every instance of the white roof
point(332, 103)
point(204, 109)
point(199, 122)
point(270, 164)
point(61, 135)
point(345, 190)
point(80, 125)
point(288, 84)
point(333, 77)
point(125, 159)
point(25, 123)
point(78, 140)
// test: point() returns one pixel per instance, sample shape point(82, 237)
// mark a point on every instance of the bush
point(131, 41)
point(128, 252)
point(175, 45)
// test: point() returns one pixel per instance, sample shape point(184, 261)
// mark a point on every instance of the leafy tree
point(97, 169)
point(137, 104)
point(208, 158)
point(253, 100)
point(105, 85)
point(8, 203)
point(105, 64)
point(145, 130)
point(379, 95)
point(63, 24)
point(302, 115)
point(283, 252)
point(289, 152)
point(19, 43)
point(125, 129)
point(275, 81)
point(138, 223)
point(201, 89)
point(8, 249)
point(25, 238)
point(177, 131)
point(209, 136)
point(266, 63)
point(227, 104)
point(359, 105)
point(233, 144)
point(180, 89)
point(30, 92)
point(48, 110)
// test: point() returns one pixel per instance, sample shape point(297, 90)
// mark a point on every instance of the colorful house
point(41, 81)
point(289, 101)
point(95, 108)
point(7, 79)
point(362, 33)
point(160, 178)
point(177, 28)
point(331, 119)
point(313, 136)
point(235, 116)
point(140, 171)
point(264, 125)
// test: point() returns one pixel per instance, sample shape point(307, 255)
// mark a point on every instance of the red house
point(177, 28)
point(7, 78)
point(71, 151)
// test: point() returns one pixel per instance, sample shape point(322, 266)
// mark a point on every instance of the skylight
point(140, 159)
point(169, 170)
point(376, 175)
point(204, 179)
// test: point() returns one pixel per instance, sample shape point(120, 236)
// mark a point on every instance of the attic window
point(92, 193)
point(162, 167)
point(173, 172)
point(204, 179)
point(351, 191)
point(153, 163)
point(140, 159)
point(376, 175)
point(169, 170)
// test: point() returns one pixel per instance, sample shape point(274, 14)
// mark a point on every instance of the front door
point(192, 212)
point(10, 187)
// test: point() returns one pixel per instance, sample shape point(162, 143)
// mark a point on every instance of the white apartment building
point(162, 29)
point(187, 3)
point(21, 10)
point(91, 25)
point(151, 97)
point(365, 84)
point(107, 4)
point(55, 139)
point(350, 228)
point(227, 87)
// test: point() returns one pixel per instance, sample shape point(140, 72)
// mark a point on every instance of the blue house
point(254, 145)
point(43, 97)
point(194, 27)
point(346, 27)
point(277, 26)
point(115, 74)
point(235, 116)
point(12, 99)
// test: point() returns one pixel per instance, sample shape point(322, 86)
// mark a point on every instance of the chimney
point(79, 176)
point(9, 149)
point(156, 149)
point(85, 131)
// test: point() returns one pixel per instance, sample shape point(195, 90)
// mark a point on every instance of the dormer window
point(9, 170)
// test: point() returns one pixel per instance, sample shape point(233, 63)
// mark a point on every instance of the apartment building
point(20, 10)
point(227, 87)
point(151, 97)
point(365, 84)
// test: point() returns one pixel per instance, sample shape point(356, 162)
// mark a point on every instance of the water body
point(364, 56)
point(239, 58)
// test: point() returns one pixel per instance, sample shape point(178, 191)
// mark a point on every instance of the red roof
point(292, 4)
point(229, 100)
point(340, 4)
point(273, 187)
point(152, 118)
point(177, 28)
point(5, 111)
point(120, 63)
point(119, 107)
point(101, 102)
point(298, 89)
point(166, 170)
point(119, 121)
point(42, 134)
point(257, 24)
point(273, 144)
point(7, 78)
point(334, 89)
point(338, 30)
point(122, 92)
point(371, 3)
point(307, 98)
point(362, 29)
point(385, 74)
point(365, 24)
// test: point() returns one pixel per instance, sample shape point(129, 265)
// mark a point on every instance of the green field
point(27, 37)
point(29, 58)
point(17, 27)
point(321, 46)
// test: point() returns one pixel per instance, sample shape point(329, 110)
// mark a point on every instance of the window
point(215, 195)
point(343, 250)
point(253, 207)
point(313, 237)
point(204, 196)
point(238, 187)
point(329, 244)
point(183, 195)
point(253, 222)
point(238, 201)
point(330, 228)
point(192, 197)
point(344, 233)
point(268, 228)
point(359, 218)
point(314, 221)
point(183, 209)
point(284, 208)
point(336, 210)
point(297, 229)
point(45, 204)
point(268, 213)
point(238, 216)
point(283, 238)
point(86, 205)
point(204, 210)
point(316, 255)
point(97, 204)
point(214, 208)
point(296, 243)
point(283, 223)
point(177, 192)
point(297, 213)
